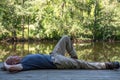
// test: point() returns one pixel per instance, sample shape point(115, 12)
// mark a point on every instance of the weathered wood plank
point(61, 75)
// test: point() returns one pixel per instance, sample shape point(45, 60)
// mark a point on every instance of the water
point(86, 51)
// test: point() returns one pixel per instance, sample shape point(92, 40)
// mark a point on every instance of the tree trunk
point(22, 27)
point(28, 28)
point(23, 21)
point(95, 22)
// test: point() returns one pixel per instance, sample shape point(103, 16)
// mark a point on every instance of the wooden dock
point(61, 75)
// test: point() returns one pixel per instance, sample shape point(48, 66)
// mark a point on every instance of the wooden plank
point(62, 75)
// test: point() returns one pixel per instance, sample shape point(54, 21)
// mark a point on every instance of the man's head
point(12, 60)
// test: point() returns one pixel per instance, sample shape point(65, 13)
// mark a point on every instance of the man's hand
point(74, 57)
point(13, 69)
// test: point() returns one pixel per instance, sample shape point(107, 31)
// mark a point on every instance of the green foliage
point(95, 19)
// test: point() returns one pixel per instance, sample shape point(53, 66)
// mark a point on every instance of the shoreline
point(11, 40)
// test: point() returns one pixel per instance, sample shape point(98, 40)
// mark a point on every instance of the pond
point(86, 51)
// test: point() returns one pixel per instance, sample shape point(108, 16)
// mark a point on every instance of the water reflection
point(87, 51)
point(99, 51)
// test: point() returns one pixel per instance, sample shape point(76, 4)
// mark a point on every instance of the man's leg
point(64, 44)
point(63, 62)
point(91, 65)
point(98, 65)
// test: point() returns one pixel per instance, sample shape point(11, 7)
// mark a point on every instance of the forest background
point(96, 20)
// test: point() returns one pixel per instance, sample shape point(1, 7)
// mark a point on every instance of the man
point(56, 60)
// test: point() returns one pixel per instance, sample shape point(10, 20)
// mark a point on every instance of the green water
point(85, 51)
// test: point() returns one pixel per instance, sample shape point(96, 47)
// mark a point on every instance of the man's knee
point(65, 37)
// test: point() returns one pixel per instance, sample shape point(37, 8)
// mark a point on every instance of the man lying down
point(56, 60)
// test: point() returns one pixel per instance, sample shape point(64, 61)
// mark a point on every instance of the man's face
point(12, 60)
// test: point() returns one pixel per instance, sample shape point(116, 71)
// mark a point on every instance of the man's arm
point(73, 54)
point(13, 68)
